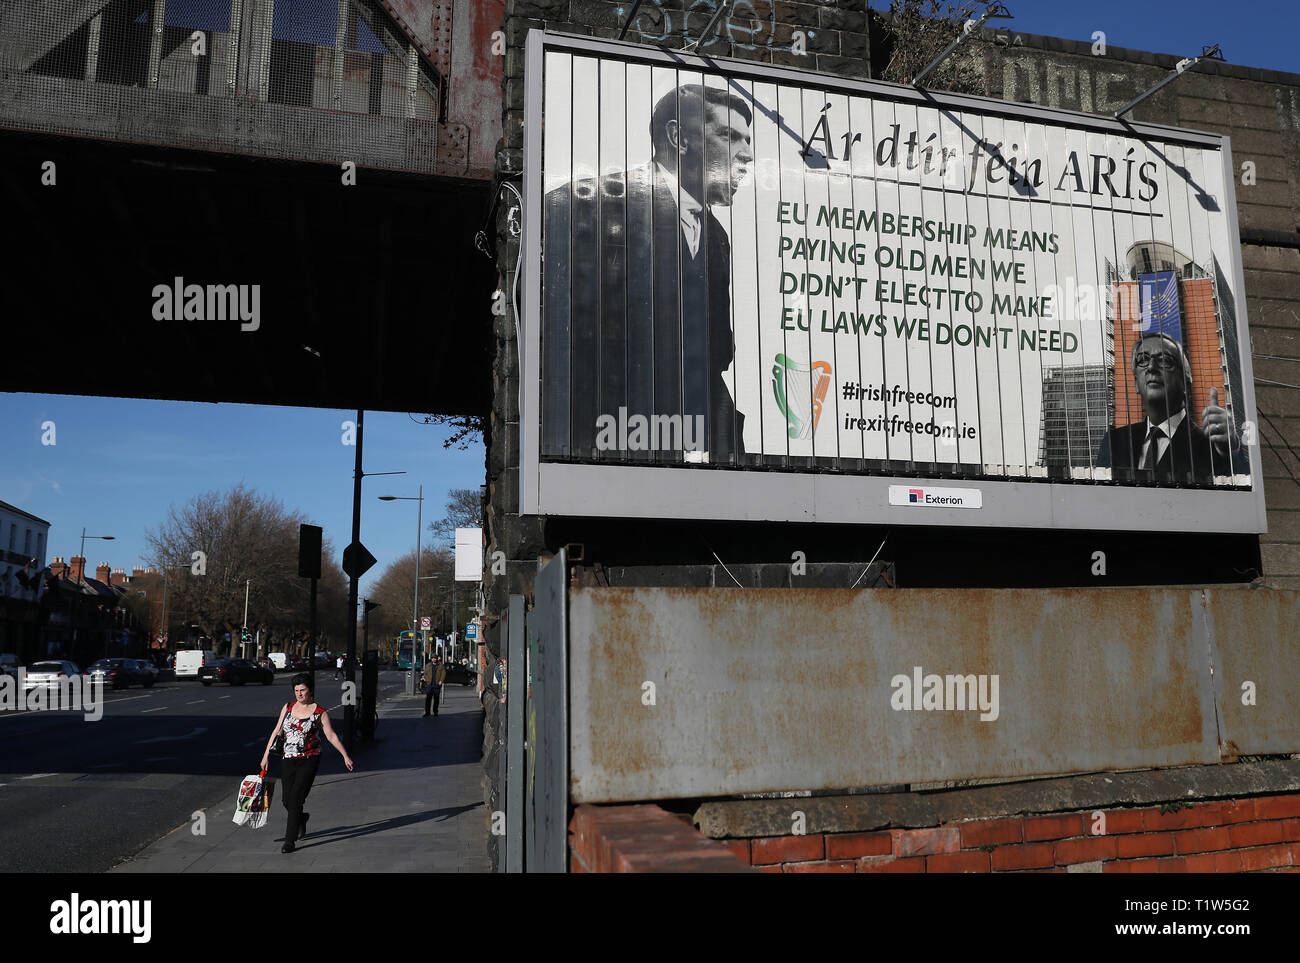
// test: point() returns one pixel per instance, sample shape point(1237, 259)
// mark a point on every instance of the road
point(80, 797)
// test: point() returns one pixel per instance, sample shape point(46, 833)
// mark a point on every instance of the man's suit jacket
point(1188, 458)
point(642, 324)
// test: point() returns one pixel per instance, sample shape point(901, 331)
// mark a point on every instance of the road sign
point(426, 623)
point(356, 560)
point(471, 631)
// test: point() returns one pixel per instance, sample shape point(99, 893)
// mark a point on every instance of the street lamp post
point(76, 599)
point(243, 627)
point(419, 522)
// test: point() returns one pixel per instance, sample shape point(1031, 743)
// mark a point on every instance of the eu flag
point(1159, 294)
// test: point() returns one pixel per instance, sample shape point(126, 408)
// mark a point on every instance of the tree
point(466, 429)
point(464, 510)
point(917, 31)
point(395, 593)
point(243, 536)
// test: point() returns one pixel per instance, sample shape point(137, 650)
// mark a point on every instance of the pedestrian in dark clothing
point(303, 723)
point(435, 674)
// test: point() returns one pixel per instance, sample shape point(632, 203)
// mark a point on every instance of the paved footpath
point(413, 804)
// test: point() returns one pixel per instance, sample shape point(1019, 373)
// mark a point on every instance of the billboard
point(760, 293)
point(469, 554)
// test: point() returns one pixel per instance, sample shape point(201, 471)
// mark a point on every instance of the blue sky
point(119, 463)
point(1253, 33)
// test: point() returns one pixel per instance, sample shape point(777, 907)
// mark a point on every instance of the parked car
point(265, 663)
point(147, 666)
point(121, 673)
point(9, 664)
point(324, 661)
point(279, 661)
point(48, 673)
point(462, 674)
point(297, 663)
point(236, 672)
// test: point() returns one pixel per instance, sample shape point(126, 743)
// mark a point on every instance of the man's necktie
point(691, 224)
point(1153, 448)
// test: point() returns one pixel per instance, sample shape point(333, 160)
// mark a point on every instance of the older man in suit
point(1167, 446)
point(637, 286)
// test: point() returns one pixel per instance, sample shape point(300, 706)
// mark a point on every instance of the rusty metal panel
point(757, 690)
point(1255, 636)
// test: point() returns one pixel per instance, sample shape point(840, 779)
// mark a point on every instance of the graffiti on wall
point(1067, 86)
point(743, 27)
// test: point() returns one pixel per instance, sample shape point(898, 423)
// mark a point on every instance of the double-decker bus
point(404, 640)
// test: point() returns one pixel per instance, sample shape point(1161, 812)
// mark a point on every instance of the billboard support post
point(1207, 53)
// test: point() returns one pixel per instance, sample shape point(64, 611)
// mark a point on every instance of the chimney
point(57, 568)
point(137, 572)
point(119, 577)
point(102, 572)
point(78, 566)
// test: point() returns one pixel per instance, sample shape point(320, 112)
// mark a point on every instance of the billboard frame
point(729, 494)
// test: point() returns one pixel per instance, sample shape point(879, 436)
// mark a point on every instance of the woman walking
point(302, 723)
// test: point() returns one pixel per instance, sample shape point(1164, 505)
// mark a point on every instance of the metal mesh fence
point(167, 72)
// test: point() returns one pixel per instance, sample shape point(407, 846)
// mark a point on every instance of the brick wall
point(1201, 341)
point(1239, 835)
point(643, 839)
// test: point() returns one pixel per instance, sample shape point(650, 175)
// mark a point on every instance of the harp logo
point(799, 390)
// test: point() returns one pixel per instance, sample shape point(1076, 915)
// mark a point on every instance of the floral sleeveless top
point(302, 736)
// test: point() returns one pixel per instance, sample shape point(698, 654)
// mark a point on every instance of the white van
point(189, 661)
point(279, 659)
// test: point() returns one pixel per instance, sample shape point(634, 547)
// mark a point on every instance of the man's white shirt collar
point(688, 208)
point(1168, 426)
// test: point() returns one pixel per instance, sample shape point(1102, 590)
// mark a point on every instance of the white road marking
point(224, 697)
point(159, 709)
point(39, 775)
point(189, 735)
point(194, 703)
point(127, 699)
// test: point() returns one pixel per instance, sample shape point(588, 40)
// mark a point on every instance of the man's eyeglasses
point(1158, 361)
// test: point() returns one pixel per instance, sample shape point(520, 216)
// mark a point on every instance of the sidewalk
point(414, 804)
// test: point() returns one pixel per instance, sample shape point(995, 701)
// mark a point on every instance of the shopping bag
point(254, 802)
